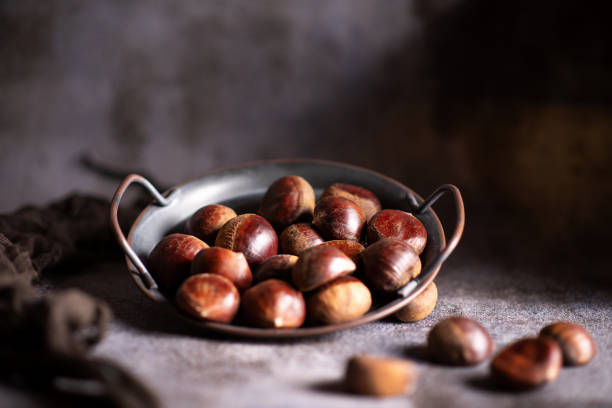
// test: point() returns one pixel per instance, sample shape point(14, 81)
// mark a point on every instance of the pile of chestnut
point(298, 259)
point(460, 341)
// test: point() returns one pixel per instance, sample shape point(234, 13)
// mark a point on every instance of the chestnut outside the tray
point(242, 187)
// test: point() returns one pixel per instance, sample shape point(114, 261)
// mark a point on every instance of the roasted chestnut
point(397, 224)
point(458, 340)
point(298, 237)
point(338, 301)
point(206, 222)
point(528, 363)
point(288, 200)
point(273, 304)
point(352, 249)
point(367, 200)
point(380, 377)
point(250, 234)
point(170, 260)
point(223, 261)
point(390, 264)
point(338, 218)
point(421, 306)
point(277, 267)
point(318, 265)
point(576, 343)
point(209, 297)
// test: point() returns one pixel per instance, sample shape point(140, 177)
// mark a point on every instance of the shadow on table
point(331, 387)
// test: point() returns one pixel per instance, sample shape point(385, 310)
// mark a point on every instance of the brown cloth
point(45, 338)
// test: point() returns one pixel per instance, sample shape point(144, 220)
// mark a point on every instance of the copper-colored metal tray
point(241, 187)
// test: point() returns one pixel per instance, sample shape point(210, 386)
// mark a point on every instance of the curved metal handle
point(114, 209)
point(450, 245)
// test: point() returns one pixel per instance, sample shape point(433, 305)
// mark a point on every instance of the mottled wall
point(177, 88)
point(509, 100)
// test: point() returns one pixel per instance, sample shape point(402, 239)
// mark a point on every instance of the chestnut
point(365, 199)
point(458, 340)
point(338, 218)
point(318, 265)
point(380, 377)
point(206, 222)
point(338, 301)
point(170, 260)
point(287, 200)
point(576, 343)
point(273, 304)
point(223, 261)
point(298, 237)
point(277, 267)
point(210, 297)
point(528, 363)
point(421, 306)
point(390, 264)
point(352, 249)
point(250, 234)
point(397, 224)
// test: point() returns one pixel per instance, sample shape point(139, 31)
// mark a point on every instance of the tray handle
point(159, 199)
point(432, 268)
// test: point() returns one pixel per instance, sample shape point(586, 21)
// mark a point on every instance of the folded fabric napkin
point(45, 338)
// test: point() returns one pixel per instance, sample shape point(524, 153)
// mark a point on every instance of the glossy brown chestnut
point(380, 377)
point(273, 304)
point(352, 249)
point(338, 218)
point(275, 267)
point(577, 345)
point(458, 340)
point(298, 237)
point(209, 297)
point(170, 260)
point(206, 222)
point(528, 363)
point(250, 234)
point(341, 300)
point(225, 262)
point(367, 200)
point(397, 224)
point(421, 306)
point(390, 264)
point(319, 265)
point(287, 200)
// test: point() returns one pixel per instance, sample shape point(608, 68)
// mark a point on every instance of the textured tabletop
point(512, 298)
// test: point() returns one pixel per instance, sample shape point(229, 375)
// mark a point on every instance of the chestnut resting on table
point(298, 259)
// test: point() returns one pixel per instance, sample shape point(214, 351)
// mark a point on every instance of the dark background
point(508, 100)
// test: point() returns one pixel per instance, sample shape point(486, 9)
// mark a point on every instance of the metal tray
point(241, 187)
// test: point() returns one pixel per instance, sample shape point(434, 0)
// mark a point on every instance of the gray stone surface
point(192, 368)
point(505, 284)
